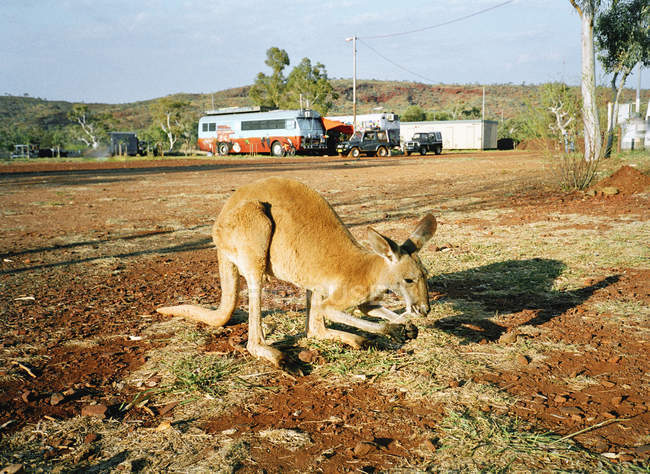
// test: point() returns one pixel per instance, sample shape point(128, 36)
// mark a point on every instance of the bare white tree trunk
point(89, 130)
point(169, 132)
point(593, 140)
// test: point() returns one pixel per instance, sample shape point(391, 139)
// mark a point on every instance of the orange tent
point(335, 125)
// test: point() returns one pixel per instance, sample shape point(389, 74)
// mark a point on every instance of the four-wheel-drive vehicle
point(424, 142)
point(369, 142)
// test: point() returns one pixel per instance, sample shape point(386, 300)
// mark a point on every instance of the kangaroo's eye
point(408, 280)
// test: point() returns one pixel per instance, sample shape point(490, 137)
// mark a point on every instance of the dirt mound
point(627, 180)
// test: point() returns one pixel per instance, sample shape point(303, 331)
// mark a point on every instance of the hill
point(35, 117)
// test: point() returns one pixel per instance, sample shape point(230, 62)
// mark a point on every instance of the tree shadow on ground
point(507, 287)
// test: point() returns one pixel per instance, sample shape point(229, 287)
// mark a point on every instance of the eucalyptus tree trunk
point(616, 98)
point(587, 10)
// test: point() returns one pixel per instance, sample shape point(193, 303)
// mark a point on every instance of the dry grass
point(425, 369)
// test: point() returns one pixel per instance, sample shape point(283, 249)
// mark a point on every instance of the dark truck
point(369, 142)
point(126, 143)
point(423, 143)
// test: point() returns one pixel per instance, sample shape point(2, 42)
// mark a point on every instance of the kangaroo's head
point(404, 273)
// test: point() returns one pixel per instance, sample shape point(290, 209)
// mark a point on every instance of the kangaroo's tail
point(212, 317)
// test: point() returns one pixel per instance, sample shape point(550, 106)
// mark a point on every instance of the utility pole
point(354, 81)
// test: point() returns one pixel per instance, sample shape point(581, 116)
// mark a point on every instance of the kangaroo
point(282, 228)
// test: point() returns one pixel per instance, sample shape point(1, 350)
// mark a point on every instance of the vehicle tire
point(223, 149)
point(291, 151)
point(355, 152)
point(277, 149)
point(438, 150)
point(423, 150)
point(382, 152)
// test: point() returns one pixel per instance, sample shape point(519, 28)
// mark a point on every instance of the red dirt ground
point(69, 297)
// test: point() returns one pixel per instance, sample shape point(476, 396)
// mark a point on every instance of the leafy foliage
point(413, 113)
point(169, 114)
point(310, 84)
point(623, 38)
point(306, 84)
point(269, 91)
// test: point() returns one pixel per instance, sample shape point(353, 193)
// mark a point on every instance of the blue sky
point(126, 50)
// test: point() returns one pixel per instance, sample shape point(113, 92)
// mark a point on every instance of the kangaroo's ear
point(383, 246)
point(421, 235)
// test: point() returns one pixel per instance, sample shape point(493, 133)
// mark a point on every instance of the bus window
point(205, 126)
point(290, 124)
point(212, 127)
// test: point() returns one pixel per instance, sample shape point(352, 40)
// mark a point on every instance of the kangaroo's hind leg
point(244, 236)
point(316, 325)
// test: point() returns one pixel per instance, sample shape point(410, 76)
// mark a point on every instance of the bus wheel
point(291, 151)
point(277, 149)
point(382, 151)
point(223, 149)
point(355, 152)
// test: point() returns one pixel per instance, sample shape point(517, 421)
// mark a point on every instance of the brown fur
point(282, 228)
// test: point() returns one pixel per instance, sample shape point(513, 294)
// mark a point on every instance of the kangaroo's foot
point(263, 351)
point(211, 317)
point(352, 340)
point(402, 332)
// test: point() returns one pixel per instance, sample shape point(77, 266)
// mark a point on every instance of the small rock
point(609, 191)
point(69, 392)
point(643, 449)
point(561, 399)
point(12, 469)
point(508, 338)
point(307, 356)
point(164, 425)
point(91, 438)
point(522, 359)
point(571, 410)
point(428, 444)
point(153, 381)
point(363, 448)
point(167, 408)
point(98, 410)
point(56, 398)
point(616, 401)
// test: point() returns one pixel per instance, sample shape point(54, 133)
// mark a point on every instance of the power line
point(393, 62)
point(419, 30)
point(390, 35)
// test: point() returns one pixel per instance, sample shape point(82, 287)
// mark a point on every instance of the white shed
point(456, 134)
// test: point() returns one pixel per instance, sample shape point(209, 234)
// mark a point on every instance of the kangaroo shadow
point(507, 287)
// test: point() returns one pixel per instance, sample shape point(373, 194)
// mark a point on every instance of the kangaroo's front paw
point(402, 332)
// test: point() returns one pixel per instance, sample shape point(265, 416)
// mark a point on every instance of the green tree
point(587, 9)
point(309, 86)
point(623, 39)
point(413, 113)
point(92, 125)
point(169, 114)
point(269, 91)
point(561, 108)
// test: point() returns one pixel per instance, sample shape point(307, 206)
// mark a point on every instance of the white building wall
point(456, 134)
